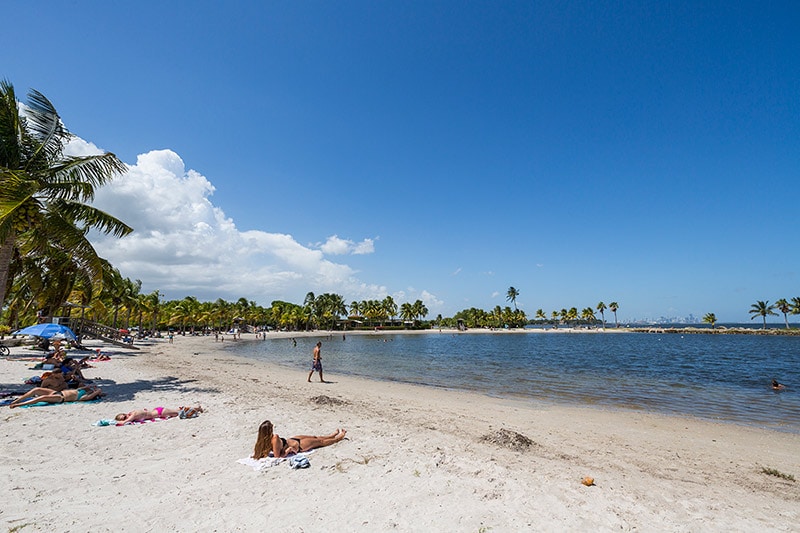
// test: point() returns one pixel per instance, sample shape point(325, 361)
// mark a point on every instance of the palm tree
point(602, 307)
point(43, 192)
point(511, 296)
point(389, 307)
point(588, 315)
point(154, 304)
point(796, 305)
point(710, 318)
point(420, 310)
point(613, 306)
point(783, 306)
point(762, 309)
point(406, 311)
point(572, 314)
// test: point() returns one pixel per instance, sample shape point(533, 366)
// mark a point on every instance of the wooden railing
point(87, 328)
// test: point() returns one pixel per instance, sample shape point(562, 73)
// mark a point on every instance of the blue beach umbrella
point(48, 331)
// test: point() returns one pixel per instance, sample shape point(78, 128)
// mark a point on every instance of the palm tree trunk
point(6, 253)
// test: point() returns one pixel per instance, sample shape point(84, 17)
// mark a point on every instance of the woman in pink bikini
point(140, 415)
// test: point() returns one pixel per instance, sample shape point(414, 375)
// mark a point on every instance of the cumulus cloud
point(183, 244)
point(336, 246)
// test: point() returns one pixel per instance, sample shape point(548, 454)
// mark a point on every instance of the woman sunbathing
point(268, 441)
point(140, 415)
point(42, 394)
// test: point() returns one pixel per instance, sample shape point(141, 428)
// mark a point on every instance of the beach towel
point(108, 422)
point(44, 404)
point(268, 462)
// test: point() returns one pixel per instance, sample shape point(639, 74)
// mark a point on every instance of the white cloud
point(431, 301)
point(183, 244)
point(495, 294)
point(336, 246)
point(457, 271)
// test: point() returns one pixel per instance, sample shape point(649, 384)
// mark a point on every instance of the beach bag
point(299, 461)
point(189, 412)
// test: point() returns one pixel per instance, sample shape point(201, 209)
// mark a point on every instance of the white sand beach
point(415, 458)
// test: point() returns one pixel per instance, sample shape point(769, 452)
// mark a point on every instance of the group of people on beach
point(68, 371)
point(62, 381)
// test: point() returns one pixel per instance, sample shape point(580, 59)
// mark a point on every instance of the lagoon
point(715, 377)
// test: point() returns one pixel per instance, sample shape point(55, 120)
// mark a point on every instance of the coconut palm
point(783, 306)
point(762, 309)
point(796, 305)
point(710, 318)
point(406, 311)
point(389, 307)
point(602, 307)
point(43, 192)
point(613, 306)
point(420, 311)
point(511, 296)
point(588, 315)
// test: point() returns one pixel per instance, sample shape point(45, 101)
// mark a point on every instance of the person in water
point(42, 394)
point(777, 386)
point(267, 441)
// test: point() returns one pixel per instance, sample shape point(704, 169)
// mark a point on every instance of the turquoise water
point(717, 377)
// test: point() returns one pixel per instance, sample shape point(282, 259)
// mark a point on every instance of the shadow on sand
point(115, 392)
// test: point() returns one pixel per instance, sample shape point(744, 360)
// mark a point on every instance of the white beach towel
point(268, 462)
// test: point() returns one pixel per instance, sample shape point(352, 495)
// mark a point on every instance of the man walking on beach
point(316, 364)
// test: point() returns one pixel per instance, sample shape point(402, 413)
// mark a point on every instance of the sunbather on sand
point(268, 441)
point(42, 394)
point(140, 415)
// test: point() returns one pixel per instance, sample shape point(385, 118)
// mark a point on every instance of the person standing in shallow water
point(316, 364)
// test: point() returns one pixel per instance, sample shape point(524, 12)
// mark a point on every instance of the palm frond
point(89, 217)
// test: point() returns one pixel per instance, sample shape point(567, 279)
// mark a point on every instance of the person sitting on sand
point(268, 441)
point(41, 394)
point(71, 369)
point(140, 415)
point(777, 386)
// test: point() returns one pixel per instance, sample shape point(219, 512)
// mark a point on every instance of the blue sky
point(646, 153)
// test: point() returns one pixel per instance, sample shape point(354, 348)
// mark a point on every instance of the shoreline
point(568, 399)
point(415, 458)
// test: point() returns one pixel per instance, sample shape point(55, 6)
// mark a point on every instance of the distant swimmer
point(777, 386)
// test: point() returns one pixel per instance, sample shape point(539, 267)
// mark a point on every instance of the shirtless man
point(316, 364)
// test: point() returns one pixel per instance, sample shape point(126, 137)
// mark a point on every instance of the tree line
point(763, 309)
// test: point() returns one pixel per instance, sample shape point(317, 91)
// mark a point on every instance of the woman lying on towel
point(42, 394)
point(268, 441)
point(141, 415)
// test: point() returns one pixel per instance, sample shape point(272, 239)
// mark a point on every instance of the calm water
point(719, 377)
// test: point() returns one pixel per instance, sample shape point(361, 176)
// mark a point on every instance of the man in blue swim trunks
point(316, 364)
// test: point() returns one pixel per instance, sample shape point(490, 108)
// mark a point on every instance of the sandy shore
point(416, 459)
